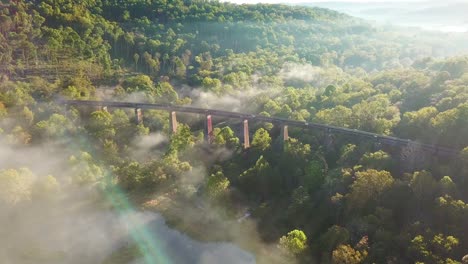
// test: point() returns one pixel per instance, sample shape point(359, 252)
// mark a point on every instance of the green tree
point(26, 116)
point(294, 243)
point(213, 85)
point(122, 125)
point(348, 155)
point(16, 186)
point(226, 136)
point(261, 139)
point(417, 124)
point(138, 83)
point(217, 185)
point(181, 140)
point(258, 180)
point(84, 169)
point(377, 160)
point(447, 186)
point(338, 116)
point(180, 70)
point(136, 57)
point(376, 115)
point(100, 125)
point(56, 126)
point(300, 196)
point(451, 125)
point(368, 186)
point(335, 235)
point(130, 175)
point(19, 135)
point(436, 250)
point(444, 244)
point(166, 93)
point(424, 187)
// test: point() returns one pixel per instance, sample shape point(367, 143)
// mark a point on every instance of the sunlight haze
point(314, 1)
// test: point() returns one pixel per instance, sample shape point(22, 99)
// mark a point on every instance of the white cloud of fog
point(224, 253)
point(67, 229)
point(311, 1)
point(43, 160)
point(204, 158)
point(145, 147)
point(236, 101)
point(304, 72)
point(316, 76)
point(80, 227)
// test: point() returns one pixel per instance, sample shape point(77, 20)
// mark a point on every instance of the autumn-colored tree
point(345, 254)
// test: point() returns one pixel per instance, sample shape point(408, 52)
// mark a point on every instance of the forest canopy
point(318, 198)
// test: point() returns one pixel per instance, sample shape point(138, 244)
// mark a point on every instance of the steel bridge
point(283, 122)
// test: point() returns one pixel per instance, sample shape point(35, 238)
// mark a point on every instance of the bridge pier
point(377, 145)
point(413, 158)
point(209, 136)
point(284, 133)
point(246, 134)
point(138, 116)
point(173, 122)
point(329, 140)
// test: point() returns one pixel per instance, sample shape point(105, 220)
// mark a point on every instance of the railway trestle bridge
point(409, 149)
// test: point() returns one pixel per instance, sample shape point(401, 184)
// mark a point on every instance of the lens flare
point(148, 245)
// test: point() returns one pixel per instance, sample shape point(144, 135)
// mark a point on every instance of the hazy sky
point(304, 1)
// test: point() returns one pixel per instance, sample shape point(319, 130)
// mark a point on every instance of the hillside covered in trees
point(316, 198)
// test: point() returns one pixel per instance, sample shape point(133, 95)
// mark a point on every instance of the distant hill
point(169, 39)
point(432, 15)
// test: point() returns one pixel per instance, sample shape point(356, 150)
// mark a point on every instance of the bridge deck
point(394, 141)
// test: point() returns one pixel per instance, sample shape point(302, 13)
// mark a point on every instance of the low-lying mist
point(49, 214)
point(56, 219)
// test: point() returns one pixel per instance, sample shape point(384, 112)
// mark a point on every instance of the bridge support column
point(284, 133)
point(377, 145)
point(209, 136)
point(413, 158)
point(138, 116)
point(329, 140)
point(246, 134)
point(173, 122)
